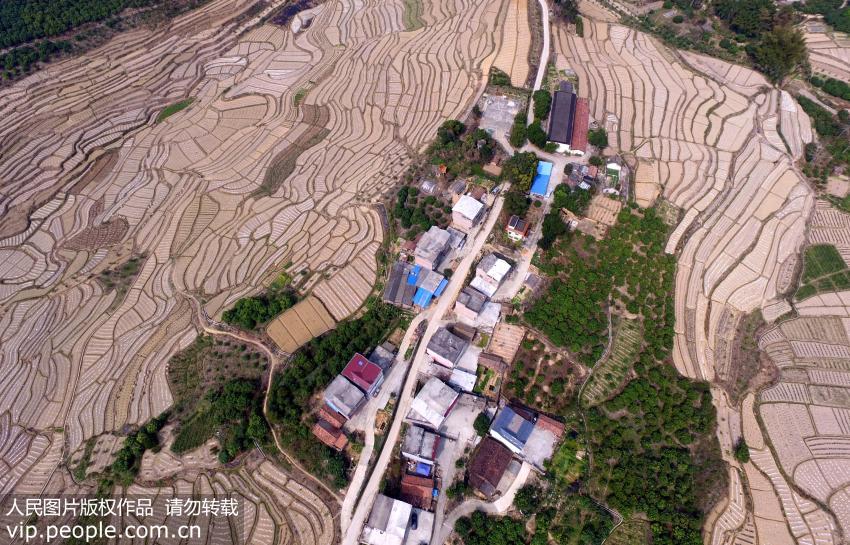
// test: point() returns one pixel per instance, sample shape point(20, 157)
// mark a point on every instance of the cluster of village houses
point(467, 357)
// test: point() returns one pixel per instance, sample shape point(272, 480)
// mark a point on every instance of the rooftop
point(468, 207)
point(398, 292)
point(494, 267)
point(433, 403)
point(513, 428)
point(561, 118)
point(417, 491)
point(463, 380)
point(362, 372)
point(333, 417)
point(382, 357)
point(488, 465)
point(540, 184)
point(581, 121)
point(433, 244)
point(447, 345)
point(329, 435)
point(518, 225)
point(388, 521)
point(492, 361)
point(472, 299)
point(420, 443)
point(343, 396)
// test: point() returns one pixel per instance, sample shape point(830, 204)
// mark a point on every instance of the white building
point(467, 213)
point(489, 274)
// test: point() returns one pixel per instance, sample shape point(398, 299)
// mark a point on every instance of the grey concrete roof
point(447, 345)
point(344, 395)
point(420, 442)
point(472, 299)
point(433, 243)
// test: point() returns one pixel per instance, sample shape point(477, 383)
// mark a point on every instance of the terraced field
point(289, 138)
point(611, 372)
point(721, 144)
point(829, 52)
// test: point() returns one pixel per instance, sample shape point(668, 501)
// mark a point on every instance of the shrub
point(678, 19)
point(598, 138)
point(481, 424)
point(542, 103)
point(536, 134)
point(519, 133)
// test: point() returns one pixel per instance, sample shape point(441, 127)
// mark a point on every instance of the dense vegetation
point(833, 148)
point(520, 169)
point(542, 104)
point(232, 413)
point(128, 459)
point(310, 370)
point(26, 26)
point(461, 150)
point(419, 211)
point(598, 138)
point(254, 311)
point(519, 131)
point(832, 86)
point(834, 12)
point(632, 259)
point(659, 423)
point(775, 46)
point(172, 109)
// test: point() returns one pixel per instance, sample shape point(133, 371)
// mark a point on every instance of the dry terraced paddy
point(288, 140)
point(829, 52)
point(721, 143)
point(516, 41)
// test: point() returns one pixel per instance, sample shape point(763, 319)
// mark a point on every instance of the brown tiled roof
point(417, 491)
point(550, 424)
point(492, 361)
point(334, 418)
point(329, 435)
point(488, 465)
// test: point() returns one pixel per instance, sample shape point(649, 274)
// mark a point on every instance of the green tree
point(519, 132)
point(742, 451)
point(598, 138)
point(519, 169)
point(450, 131)
point(542, 103)
point(536, 134)
point(780, 52)
point(481, 424)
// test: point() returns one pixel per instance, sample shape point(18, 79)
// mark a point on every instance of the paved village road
point(444, 303)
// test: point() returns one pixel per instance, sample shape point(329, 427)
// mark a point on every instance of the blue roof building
point(540, 185)
point(511, 429)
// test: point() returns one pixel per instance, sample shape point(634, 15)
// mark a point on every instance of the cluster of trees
point(254, 311)
point(553, 227)
point(574, 200)
point(834, 12)
point(309, 371)
point(662, 419)
point(516, 203)
point(479, 529)
point(598, 138)
point(463, 151)
point(519, 131)
point(128, 459)
point(832, 86)
point(572, 314)
point(834, 133)
point(499, 78)
point(520, 169)
point(21, 60)
point(774, 44)
point(413, 210)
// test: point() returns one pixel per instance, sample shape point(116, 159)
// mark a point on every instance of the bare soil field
point(288, 140)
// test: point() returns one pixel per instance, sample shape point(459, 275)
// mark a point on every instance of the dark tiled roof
point(561, 117)
point(488, 465)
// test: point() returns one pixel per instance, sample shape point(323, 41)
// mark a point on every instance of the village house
point(469, 304)
point(432, 404)
point(344, 397)
point(432, 248)
point(445, 347)
point(467, 212)
point(364, 374)
point(517, 228)
point(489, 274)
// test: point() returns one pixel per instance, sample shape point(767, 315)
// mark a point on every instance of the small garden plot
point(542, 378)
point(824, 270)
point(610, 374)
point(121, 277)
point(416, 212)
point(630, 532)
point(172, 109)
point(568, 462)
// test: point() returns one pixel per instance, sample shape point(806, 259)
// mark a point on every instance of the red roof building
point(488, 465)
point(580, 125)
point(333, 417)
point(550, 425)
point(517, 228)
point(417, 491)
point(364, 374)
point(329, 435)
